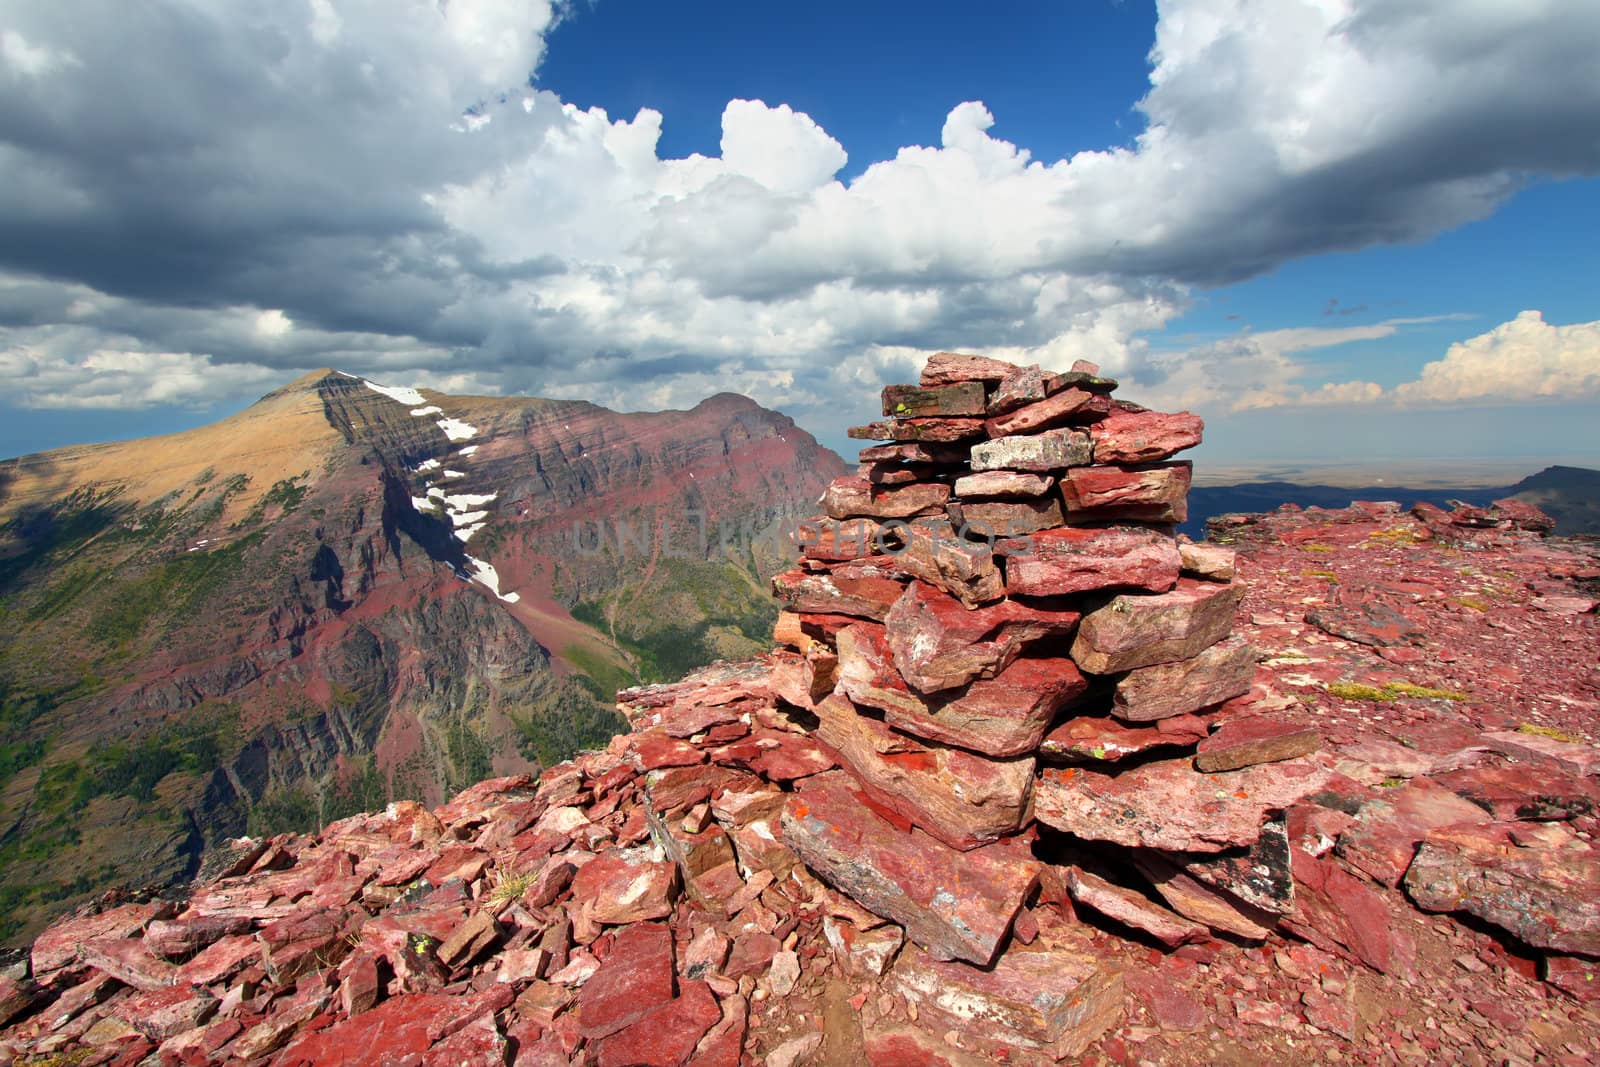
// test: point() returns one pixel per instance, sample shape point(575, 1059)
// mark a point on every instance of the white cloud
point(307, 177)
point(1526, 359)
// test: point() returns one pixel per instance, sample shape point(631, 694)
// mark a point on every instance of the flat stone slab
point(1510, 793)
point(1213, 562)
point(1104, 740)
point(938, 643)
point(1548, 895)
point(1052, 450)
point(1005, 518)
point(956, 398)
point(1055, 995)
point(1132, 908)
point(1068, 405)
point(956, 905)
point(1257, 739)
point(937, 430)
point(1169, 805)
point(1006, 715)
point(1205, 904)
point(1084, 559)
point(963, 799)
point(1569, 756)
point(1156, 492)
point(1003, 484)
point(848, 498)
point(866, 589)
point(944, 368)
point(1383, 840)
point(932, 551)
point(1225, 670)
point(1130, 435)
point(913, 452)
point(1134, 631)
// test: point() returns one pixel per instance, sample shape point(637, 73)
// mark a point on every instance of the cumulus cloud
point(1526, 359)
point(375, 184)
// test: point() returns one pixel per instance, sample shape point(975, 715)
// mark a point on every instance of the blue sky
point(1321, 225)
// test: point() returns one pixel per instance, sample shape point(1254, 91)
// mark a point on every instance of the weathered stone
point(1134, 631)
point(666, 1035)
point(1140, 436)
point(888, 1045)
point(60, 944)
point(1105, 740)
point(1547, 895)
point(1383, 840)
point(837, 540)
point(400, 1030)
point(1169, 805)
point(1069, 405)
point(1057, 1000)
point(1213, 562)
point(1205, 904)
point(1052, 450)
point(633, 980)
point(1158, 492)
point(183, 937)
point(652, 749)
point(1576, 977)
point(891, 473)
point(914, 452)
point(1082, 559)
point(620, 887)
point(962, 799)
point(957, 905)
point(163, 1013)
point(1131, 909)
point(1003, 484)
point(1171, 1007)
point(1215, 674)
point(129, 962)
point(1025, 385)
point(1005, 518)
point(940, 644)
point(16, 997)
point(957, 398)
point(470, 940)
point(936, 430)
point(1006, 715)
point(863, 952)
point(864, 589)
point(1568, 756)
point(1258, 874)
point(1336, 910)
point(1509, 793)
point(777, 755)
point(848, 498)
point(934, 553)
point(943, 368)
point(1256, 739)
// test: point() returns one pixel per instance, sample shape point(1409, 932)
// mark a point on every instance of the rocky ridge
point(1325, 792)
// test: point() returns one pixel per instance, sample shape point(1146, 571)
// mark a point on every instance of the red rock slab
point(666, 1035)
point(946, 368)
point(1052, 450)
point(1005, 518)
point(1135, 631)
point(1059, 1000)
point(163, 1013)
point(956, 398)
point(860, 589)
point(1156, 492)
point(775, 755)
point(957, 905)
point(622, 888)
point(632, 981)
point(1576, 977)
point(1259, 874)
point(1030, 384)
point(128, 961)
point(1003, 716)
point(1082, 559)
point(1132, 909)
point(1205, 904)
point(1068, 405)
point(1212, 562)
point(654, 748)
point(848, 498)
point(220, 961)
point(1335, 910)
point(937, 430)
point(477, 1044)
point(1257, 739)
point(1227, 669)
point(59, 945)
point(1093, 737)
point(899, 473)
point(1169, 805)
point(1003, 484)
point(934, 552)
point(183, 937)
point(1370, 622)
point(396, 1033)
point(1129, 436)
point(838, 540)
point(1547, 895)
point(1509, 793)
point(1383, 840)
point(1565, 604)
point(962, 799)
point(938, 643)
point(1567, 756)
point(914, 452)
point(1170, 1007)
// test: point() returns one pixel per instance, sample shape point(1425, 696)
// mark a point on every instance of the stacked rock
point(1001, 587)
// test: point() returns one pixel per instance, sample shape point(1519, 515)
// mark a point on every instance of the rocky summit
point(1028, 778)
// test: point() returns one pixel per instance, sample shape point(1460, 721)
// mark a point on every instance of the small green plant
point(1547, 731)
point(511, 887)
point(1391, 691)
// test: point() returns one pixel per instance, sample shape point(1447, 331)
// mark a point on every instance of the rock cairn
point(993, 614)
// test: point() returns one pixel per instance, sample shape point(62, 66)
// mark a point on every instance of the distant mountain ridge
point(350, 592)
point(1570, 495)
